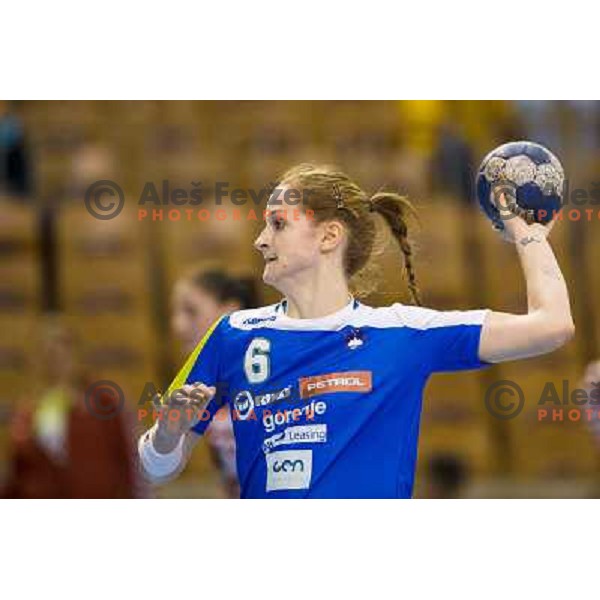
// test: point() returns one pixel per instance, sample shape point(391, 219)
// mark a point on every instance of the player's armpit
point(506, 336)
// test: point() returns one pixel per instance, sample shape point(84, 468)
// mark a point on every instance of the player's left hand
point(182, 409)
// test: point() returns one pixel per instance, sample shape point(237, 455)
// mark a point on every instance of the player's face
point(193, 312)
point(289, 243)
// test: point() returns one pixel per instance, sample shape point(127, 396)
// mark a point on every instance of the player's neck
point(316, 301)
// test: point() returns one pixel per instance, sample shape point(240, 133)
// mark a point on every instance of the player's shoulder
point(252, 318)
point(392, 316)
point(416, 317)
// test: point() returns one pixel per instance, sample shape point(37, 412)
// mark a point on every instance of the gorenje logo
point(289, 470)
point(284, 417)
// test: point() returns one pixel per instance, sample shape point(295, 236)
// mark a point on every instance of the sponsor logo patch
point(245, 403)
point(299, 434)
point(350, 381)
point(285, 417)
point(289, 470)
point(257, 320)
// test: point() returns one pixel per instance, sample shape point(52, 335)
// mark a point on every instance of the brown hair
point(224, 286)
point(331, 194)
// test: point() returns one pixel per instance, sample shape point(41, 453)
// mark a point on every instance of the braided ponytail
point(394, 209)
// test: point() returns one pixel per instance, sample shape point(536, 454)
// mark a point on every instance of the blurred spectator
point(564, 126)
point(446, 476)
point(540, 122)
point(59, 448)
point(15, 177)
point(586, 126)
point(92, 161)
point(452, 169)
point(199, 299)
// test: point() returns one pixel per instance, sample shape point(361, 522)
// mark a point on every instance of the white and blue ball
point(528, 174)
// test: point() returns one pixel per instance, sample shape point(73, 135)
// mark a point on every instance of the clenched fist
point(178, 412)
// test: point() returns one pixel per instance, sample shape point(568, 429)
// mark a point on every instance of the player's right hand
point(519, 225)
point(183, 408)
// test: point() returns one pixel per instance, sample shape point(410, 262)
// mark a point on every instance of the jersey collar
point(333, 321)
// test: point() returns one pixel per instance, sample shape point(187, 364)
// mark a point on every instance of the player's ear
point(332, 235)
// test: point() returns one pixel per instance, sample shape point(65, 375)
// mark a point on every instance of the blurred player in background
point(327, 391)
point(59, 448)
point(199, 299)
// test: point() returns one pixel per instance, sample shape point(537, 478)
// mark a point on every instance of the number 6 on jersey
point(256, 360)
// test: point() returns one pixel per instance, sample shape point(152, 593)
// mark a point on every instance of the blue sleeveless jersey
point(329, 407)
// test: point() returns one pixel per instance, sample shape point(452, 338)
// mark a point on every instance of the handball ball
point(527, 174)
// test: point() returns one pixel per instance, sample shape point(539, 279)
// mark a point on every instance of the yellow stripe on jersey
point(181, 377)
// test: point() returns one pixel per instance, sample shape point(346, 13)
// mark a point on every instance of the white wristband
point(159, 465)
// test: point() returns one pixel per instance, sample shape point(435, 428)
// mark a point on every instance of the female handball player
point(326, 391)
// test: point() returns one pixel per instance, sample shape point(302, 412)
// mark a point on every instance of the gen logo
point(288, 466)
point(289, 470)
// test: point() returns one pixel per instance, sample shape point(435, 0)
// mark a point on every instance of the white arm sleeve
point(159, 466)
